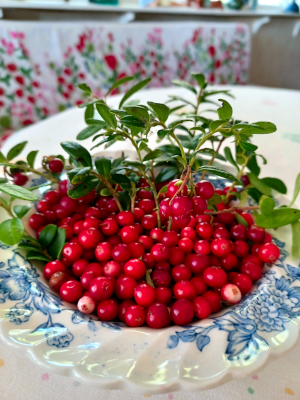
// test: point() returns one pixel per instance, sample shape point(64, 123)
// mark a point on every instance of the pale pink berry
point(86, 305)
point(231, 293)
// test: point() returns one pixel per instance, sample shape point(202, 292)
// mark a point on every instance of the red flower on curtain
point(212, 51)
point(111, 61)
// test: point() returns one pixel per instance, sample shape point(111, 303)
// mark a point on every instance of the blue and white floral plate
point(232, 344)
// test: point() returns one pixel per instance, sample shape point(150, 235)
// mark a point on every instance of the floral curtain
point(41, 63)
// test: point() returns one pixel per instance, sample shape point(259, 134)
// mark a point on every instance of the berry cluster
point(121, 265)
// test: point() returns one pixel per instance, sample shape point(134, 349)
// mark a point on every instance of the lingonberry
point(149, 260)
point(101, 288)
point(129, 234)
point(217, 225)
point(181, 206)
point(90, 222)
point(157, 316)
point(107, 310)
point(253, 258)
point(199, 204)
point(109, 226)
point(231, 293)
point(144, 194)
point(220, 247)
point(68, 204)
point(170, 238)
point(103, 251)
point(187, 232)
point(157, 234)
point(113, 240)
point(125, 218)
point(182, 312)
point(256, 234)
point(255, 248)
point(214, 300)
point(124, 287)
point(184, 290)
point(20, 179)
point(192, 222)
point(161, 278)
point(203, 218)
point(225, 218)
point(86, 305)
point(70, 291)
point(248, 217)
point(79, 266)
point(92, 212)
point(199, 283)
point(204, 230)
point(112, 269)
point(136, 250)
point(268, 238)
point(149, 222)
point(239, 232)
point(241, 248)
point(62, 188)
point(163, 265)
point(52, 267)
point(66, 262)
point(202, 247)
point(205, 189)
point(72, 251)
point(144, 294)
point(112, 206)
point(43, 206)
point(89, 238)
point(36, 221)
point(253, 271)
point(172, 189)
point(52, 197)
point(135, 316)
point(138, 214)
point(202, 307)
point(57, 279)
point(146, 205)
point(243, 282)
point(138, 227)
point(165, 208)
point(146, 242)
point(186, 245)
point(160, 252)
point(269, 253)
point(231, 276)
point(74, 240)
point(245, 180)
point(66, 221)
point(69, 231)
point(163, 295)
point(229, 262)
point(50, 217)
point(214, 261)
point(86, 279)
point(221, 233)
point(181, 272)
point(197, 263)
point(94, 267)
point(135, 268)
point(123, 307)
point(176, 256)
point(215, 277)
point(61, 212)
point(56, 165)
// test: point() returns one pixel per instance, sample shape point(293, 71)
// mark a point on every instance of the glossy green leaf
point(16, 150)
point(162, 133)
point(88, 132)
point(124, 199)
point(253, 166)
point(138, 112)
point(279, 217)
point(243, 196)
point(107, 115)
point(105, 192)
point(103, 166)
point(97, 122)
point(266, 205)
point(214, 125)
point(200, 78)
point(89, 112)
point(225, 112)
point(20, 211)
point(259, 185)
point(133, 90)
point(166, 174)
point(241, 220)
point(18, 192)
point(296, 239)
point(37, 255)
point(197, 128)
point(180, 159)
point(179, 122)
point(214, 200)
point(129, 120)
point(246, 127)
point(230, 158)
point(185, 85)
point(121, 180)
point(296, 190)
point(27, 246)
point(152, 155)
point(120, 82)
point(11, 231)
point(84, 188)
point(160, 110)
point(134, 164)
point(47, 235)
point(255, 194)
point(219, 172)
point(85, 88)
point(31, 158)
point(205, 151)
point(57, 244)
point(78, 153)
point(275, 184)
point(264, 128)
point(2, 158)
point(248, 146)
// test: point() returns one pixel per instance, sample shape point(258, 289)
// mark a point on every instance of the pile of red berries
point(199, 265)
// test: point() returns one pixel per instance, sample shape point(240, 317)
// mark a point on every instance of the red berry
point(157, 316)
point(239, 232)
point(157, 234)
point(135, 316)
point(215, 277)
point(165, 208)
point(229, 262)
point(136, 250)
point(107, 310)
point(79, 266)
point(163, 295)
point(186, 245)
point(50, 217)
point(231, 293)
point(187, 233)
point(72, 251)
point(138, 214)
point(20, 179)
point(221, 233)
point(204, 230)
point(109, 226)
point(256, 234)
point(181, 206)
point(248, 217)
point(203, 218)
point(220, 247)
point(135, 268)
point(184, 290)
point(163, 265)
point(94, 267)
point(52, 267)
point(205, 189)
point(160, 252)
point(89, 238)
point(144, 194)
point(149, 222)
point(202, 247)
point(181, 272)
point(241, 248)
point(144, 295)
point(129, 234)
point(170, 238)
point(70, 291)
point(197, 263)
point(101, 288)
point(149, 260)
point(90, 222)
point(63, 187)
point(225, 218)
point(56, 165)
point(43, 206)
point(57, 279)
point(86, 278)
point(86, 305)
point(269, 253)
point(69, 231)
point(245, 180)
point(182, 312)
point(36, 221)
point(199, 283)
point(214, 300)
point(125, 218)
point(92, 212)
point(111, 206)
point(123, 307)
point(243, 282)
point(68, 204)
point(172, 189)
point(161, 278)
point(199, 204)
point(147, 205)
point(202, 307)
point(112, 269)
point(253, 258)
point(253, 271)
point(103, 251)
point(124, 287)
point(146, 242)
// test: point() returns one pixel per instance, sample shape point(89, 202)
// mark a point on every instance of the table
point(20, 379)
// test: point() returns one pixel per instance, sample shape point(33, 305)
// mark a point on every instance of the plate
point(232, 344)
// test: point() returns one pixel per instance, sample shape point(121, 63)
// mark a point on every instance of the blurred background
point(48, 47)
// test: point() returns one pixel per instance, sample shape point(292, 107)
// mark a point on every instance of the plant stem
point(153, 188)
point(33, 171)
point(109, 187)
point(192, 193)
point(232, 209)
point(213, 158)
point(182, 186)
point(7, 209)
point(170, 223)
point(180, 146)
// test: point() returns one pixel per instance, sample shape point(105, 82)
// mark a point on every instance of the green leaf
point(253, 166)
point(246, 126)
point(103, 166)
point(264, 128)
point(275, 184)
point(160, 110)
point(88, 132)
point(31, 240)
point(166, 174)
point(214, 125)
point(266, 205)
point(185, 85)
point(259, 185)
point(214, 200)
point(143, 146)
point(230, 158)
point(163, 132)
point(138, 112)
point(84, 188)
point(296, 190)
point(200, 79)
point(83, 105)
point(57, 244)
point(279, 217)
point(180, 159)
point(133, 90)
point(105, 192)
point(47, 235)
point(124, 200)
point(121, 180)
point(241, 220)
point(120, 82)
point(153, 154)
point(296, 239)
point(219, 172)
point(248, 146)
point(37, 255)
point(85, 88)
point(164, 189)
point(11, 231)
point(89, 112)
point(26, 246)
point(225, 112)
point(205, 150)
point(18, 192)
point(243, 196)
point(16, 150)
point(2, 158)
point(255, 194)
point(129, 120)
point(107, 115)
point(20, 211)
point(197, 128)
point(179, 122)
point(134, 164)
point(31, 158)
point(97, 122)
point(79, 154)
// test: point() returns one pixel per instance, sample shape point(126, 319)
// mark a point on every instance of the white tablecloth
point(21, 379)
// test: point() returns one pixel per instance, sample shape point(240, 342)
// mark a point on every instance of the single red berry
point(109, 226)
point(50, 217)
point(135, 316)
point(125, 218)
point(146, 205)
point(241, 248)
point(112, 269)
point(253, 271)
point(62, 188)
point(146, 242)
point(199, 283)
point(256, 234)
point(203, 218)
point(79, 266)
point(135, 268)
point(70, 291)
point(72, 251)
point(214, 300)
point(253, 258)
point(68, 204)
point(255, 248)
point(205, 189)
point(243, 282)
point(149, 260)
point(57, 279)
point(138, 214)
point(245, 180)
point(90, 222)
point(107, 310)
point(149, 222)
point(186, 245)
point(202, 247)
point(197, 263)
point(202, 307)
point(220, 247)
point(123, 307)
point(36, 221)
point(161, 278)
point(239, 232)
point(204, 230)
point(221, 233)
point(163, 295)
point(163, 265)
point(86, 305)
point(144, 294)
point(92, 212)
point(56, 165)
point(181, 206)
point(268, 238)
point(160, 252)
point(101, 288)
point(172, 189)
point(52, 267)
point(225, 218)
point(138, 227)
point(184, 290)
point(269, 253)
point(112, 206)
point(181, 272)
point(86, 279)
point(182, 312)
point(187, 233)
point(157, 234)
point(144, 194)
point(129, 234)
point(124, 287)
point(199, 204)
point(231, 293)
point(90, 238)
point(170, 238)
point(103, 251)
point(192, 222)
point(20, 179)
point(121, 253)
point(94, 267)
point(215, 277)
point(157, 316)
point(176, 256)
point(165, 208)
point(69, 231)
point(136, 250)
point(43, 206)
point(229, 262)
